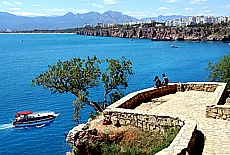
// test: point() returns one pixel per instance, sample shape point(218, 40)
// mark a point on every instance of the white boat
point(28, 118)
point(156, 39)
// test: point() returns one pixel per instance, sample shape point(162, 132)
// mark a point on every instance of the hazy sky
point(135, 8)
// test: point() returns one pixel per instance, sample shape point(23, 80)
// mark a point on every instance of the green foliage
point(201, 25)
point(94, 148)
point(168, 137)
point(115, 78)
point(115, 96)
point(133, 151)
point(78, 76)
point(220, 71)
point(94, 115)
point(110, 149)
point(146, 143)
point(75, 76)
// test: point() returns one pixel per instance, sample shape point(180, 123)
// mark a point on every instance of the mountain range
point(69, 20)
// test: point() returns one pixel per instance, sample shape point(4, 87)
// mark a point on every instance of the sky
point(135, 8)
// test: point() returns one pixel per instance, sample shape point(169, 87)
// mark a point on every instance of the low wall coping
point(181, 140)
point(220, 106)
point(217, 94)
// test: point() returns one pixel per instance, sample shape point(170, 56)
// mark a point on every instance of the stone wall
point(133, 100)
point(218, 109)
point(222, 94)
point(143, 120)
point(122, 111)
point(218, 112)
point(198, 86)
point(146, 95)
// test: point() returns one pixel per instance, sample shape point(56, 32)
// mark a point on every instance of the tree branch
point(96, 107)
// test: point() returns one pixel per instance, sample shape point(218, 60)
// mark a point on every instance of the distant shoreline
point(215, 33)
point(160, 40)
point(37, 33)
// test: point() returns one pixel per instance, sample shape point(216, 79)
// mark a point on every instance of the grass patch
point(134, 142)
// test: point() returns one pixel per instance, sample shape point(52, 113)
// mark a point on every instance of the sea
point(25, 56)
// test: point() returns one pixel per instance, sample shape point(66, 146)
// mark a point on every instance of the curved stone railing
point(123, 112)
point(134, 99)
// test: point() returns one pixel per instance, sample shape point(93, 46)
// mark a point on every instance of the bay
point(20, 62)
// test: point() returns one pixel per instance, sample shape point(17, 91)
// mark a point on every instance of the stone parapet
point(131, 100)
point(218, 112)
point(218, 109)
point(143, 120)
point(134, 99)
point(181, 140)
point(197, 86)
point(219, 95)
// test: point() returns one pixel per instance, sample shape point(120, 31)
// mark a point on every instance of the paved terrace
point(190, 106)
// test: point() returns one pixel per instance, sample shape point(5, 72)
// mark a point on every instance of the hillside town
point(200, 28)
point(197, 20)
point(181, 22)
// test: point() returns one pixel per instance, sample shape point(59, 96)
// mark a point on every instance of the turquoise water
point(22, 61)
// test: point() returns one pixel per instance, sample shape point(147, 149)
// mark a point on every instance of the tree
point(220, 71)
point(114, 78)
point(78, 76)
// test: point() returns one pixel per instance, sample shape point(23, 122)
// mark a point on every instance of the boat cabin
point(23, 114)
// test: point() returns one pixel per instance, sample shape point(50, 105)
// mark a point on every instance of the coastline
point(37, 33)
point(190, 39)
point(219, 32)
point(210, 33)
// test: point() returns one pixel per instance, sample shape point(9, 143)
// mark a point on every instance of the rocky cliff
point(208, 33)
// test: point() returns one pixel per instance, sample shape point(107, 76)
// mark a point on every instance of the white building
point(169, 23)
point(139, 22)
point(222, 19)
point(8, 30)
point(87, 26)
point(196, 20)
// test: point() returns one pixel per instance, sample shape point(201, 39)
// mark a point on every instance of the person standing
point(165, 80)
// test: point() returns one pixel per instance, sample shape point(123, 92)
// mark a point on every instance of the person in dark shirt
point(165, 80)
point(157, 81)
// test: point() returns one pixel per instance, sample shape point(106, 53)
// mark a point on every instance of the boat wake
point(6, 126)
point(40, 126)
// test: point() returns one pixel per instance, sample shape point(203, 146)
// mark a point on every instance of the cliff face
point(210, 33)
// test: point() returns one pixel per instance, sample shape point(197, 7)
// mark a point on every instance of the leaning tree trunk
point(96, 106)
point(105, 101)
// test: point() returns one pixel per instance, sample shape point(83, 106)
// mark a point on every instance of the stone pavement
point(191, 106)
